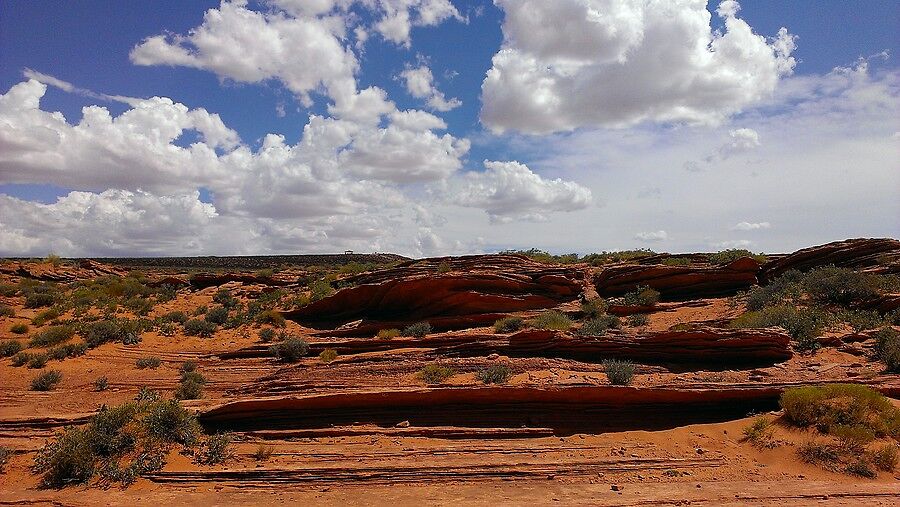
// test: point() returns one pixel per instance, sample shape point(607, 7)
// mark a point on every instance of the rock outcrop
point(879, 255)
point(678, 282)
point(463, 286)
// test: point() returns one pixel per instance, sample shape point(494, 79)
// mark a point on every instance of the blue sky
point(91, 45)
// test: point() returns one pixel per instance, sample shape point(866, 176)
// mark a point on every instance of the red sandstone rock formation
point(880, 255)
point(678, 282)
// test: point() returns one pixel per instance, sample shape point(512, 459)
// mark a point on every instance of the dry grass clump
point(495, 374)
point(328, 355)
point(387, 334)
point(435, 374)
point(760, 433)
point(619, 373)
point(508, 325)
point(551, 319)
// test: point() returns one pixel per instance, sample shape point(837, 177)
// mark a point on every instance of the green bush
point(101, 384)
point(840, 286)
point(110, 330)
point(495, 374)
point(168, 421)
point(885, 457)
point(67, 459)
point(52, 336)
point(19, 328)
point(320, 289)
point(328, 355)
point(434, 374)
point(20, 359)
point(676, 261)
point(7, 311)
point(599, 326)
point(508, 324)
point(215, 450)
point(224, 298)
point(39, 300)
point(37, 361)
point(594, 308)
point(641, 296)
point(197, 327)
point(733, 254)
point(150, 362)
point(271, 317)
point(417, 330)
point(217, 315)
point(638, 320)
point(781, 291)
point(46, 381)
point(8, 290)
point(10, 348)
point(551, 319)
point(830, 407)
point(760, 433)
point(266, 334)
point(191, 385)
point(618, 372)
point(290, 350)
point(861, 320)
point(887, 348)
point(68, 350)
point(177, 317)
point(861, 468)
point(804, 325)
point(387, 334)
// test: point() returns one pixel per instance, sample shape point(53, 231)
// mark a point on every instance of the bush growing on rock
point(52, 336)
point(551, 319)
point(733, 254)
point(387, 334)
point(46, 381)
point(290, 350)
point(101, 384)
point(328, 355)
point(201, 328)
point(508, 324)
point(10, 348)
point(19, 328)
point(417, 330)
point(618, 372)
point(887, 348)
point(840, 286)
point(804, 325)
point(641, 296)
point(599, 326)
point(495, 374)
point(593, 308)
point(191, 385)
point(263, 452)
point(435, 374)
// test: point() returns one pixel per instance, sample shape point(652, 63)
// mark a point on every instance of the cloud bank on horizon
point(600, 124)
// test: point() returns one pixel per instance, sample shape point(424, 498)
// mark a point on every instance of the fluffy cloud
point(420, 84)
point(652, 236)
point(399, 16)
point(739, 141)
point(511, 191)
point(577, 63)
point(751, 226)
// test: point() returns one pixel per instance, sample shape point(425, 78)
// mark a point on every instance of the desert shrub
point(782, 290)
point(111, 330)
point(387, 334)
point(200, 310)
point(266, 334)
point(291, 350)
point(417, 330)
point(860, 467)
point(37, 361)
point(618, 372)
point(599, 326)
point(434, 374)
point(885, 457)
point(887, 348)
point(20, 359)
point(167, 329)
point(760, 432)
point(45, 316)
point(831, 406)
point(215, 450)
point(197, 327)
point(187, 367)
point(642, 296)
point(733, 254)
point(139, 305)
point(46, 381)
point(860, 320)
point(68, 350)
point(328, 355)
point(51, 336)
point(443, 267)
point(638, 320)
point(191, 385)
point(5, 454)
point(150, 362)
point(145, 394)
point(178, 317)
point(508, 324)
point(19, 328)
point(101, 384)
point(8, 290)
point(320, 289)
point(676, 261)
point(551, 319)
point(594, 308)
point(10, 348)
point(803, 324)
point(270, 317)
point(167, 420)
point(818, 453)
point(840, 286)
point(495, 374)
point(263, 452)
point(7, 311)
point(217, 315)
point(224, 298)
point(39, 299)
point(67, 459)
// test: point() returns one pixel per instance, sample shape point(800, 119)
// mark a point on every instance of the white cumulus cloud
point(652, 236)
point(751, 226)
point(420, 84)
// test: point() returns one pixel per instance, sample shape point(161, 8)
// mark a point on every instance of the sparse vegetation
point(291, 350)
point(68, 350)
point(266, 334)
point(387, 334)
point(101, 384)
point(216, 449)
point(37, 361)
point(263, 452)
point(508, 324)
point(641, 296)
point(111, 330)
point(178, 317)
point(19, 328)
point(151, 362)
point(887, 348)
point(593, 308)
point(804, 325)
point(224, 298)
point(733, 254)
point(638, 320)
point(10, 348)
point(599, 326)
point(328, 355)
point(201, 328)
point(551, 319)
point(7, 311)
point(833, 408)
point(20, 359)
point(760, 433)
point(885, 457)
point(5, 454)
point(217, 315)
point(494, 374)
point(417, 330)
point(270, 317)
point(46, 316)
point(619, 372)
point(52, 336)
point(46, 381)
point(435, 374)
point(191, 384)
